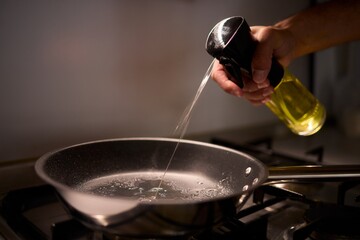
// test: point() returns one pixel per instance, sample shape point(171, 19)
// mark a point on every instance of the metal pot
point(87, 177)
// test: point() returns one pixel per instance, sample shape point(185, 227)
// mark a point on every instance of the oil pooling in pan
point(143, 185)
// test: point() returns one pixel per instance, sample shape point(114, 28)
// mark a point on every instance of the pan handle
point(315, 172)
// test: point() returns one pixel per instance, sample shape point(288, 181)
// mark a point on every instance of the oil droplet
point(155, 189)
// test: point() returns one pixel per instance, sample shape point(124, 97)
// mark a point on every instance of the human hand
point(272, 42)
point(256, 93)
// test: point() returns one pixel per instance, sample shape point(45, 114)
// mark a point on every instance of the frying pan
point(206, 183)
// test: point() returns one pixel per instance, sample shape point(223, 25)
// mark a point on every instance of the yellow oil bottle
point(301, 112)
point(230, 41)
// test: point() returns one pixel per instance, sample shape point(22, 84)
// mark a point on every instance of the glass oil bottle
point(231, 42)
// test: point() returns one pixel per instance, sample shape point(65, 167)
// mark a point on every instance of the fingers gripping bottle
point(231, 42)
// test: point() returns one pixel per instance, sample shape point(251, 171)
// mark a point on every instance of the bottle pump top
point(231, 42)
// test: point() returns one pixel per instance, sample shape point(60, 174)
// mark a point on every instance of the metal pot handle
point(315, 172)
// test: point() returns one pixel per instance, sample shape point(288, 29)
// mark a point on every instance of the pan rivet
point(248, 171)
point(255, 181)
point(242, 198)
point(246, 187)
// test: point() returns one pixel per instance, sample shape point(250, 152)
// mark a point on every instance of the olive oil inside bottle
point(296, 106)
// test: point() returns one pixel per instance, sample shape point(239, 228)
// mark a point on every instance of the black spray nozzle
point(233, 69)
point(231, 42)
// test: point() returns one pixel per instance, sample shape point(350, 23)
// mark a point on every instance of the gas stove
point(279, 210)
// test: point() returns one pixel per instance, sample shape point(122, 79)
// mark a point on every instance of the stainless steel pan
point(205, 183)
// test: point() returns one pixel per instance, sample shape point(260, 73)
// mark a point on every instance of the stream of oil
point(150, 186)
point(184, 122)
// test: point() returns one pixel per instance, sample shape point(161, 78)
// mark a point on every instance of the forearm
point(323, 26)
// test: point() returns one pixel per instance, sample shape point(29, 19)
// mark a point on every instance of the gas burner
point(333, 222)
